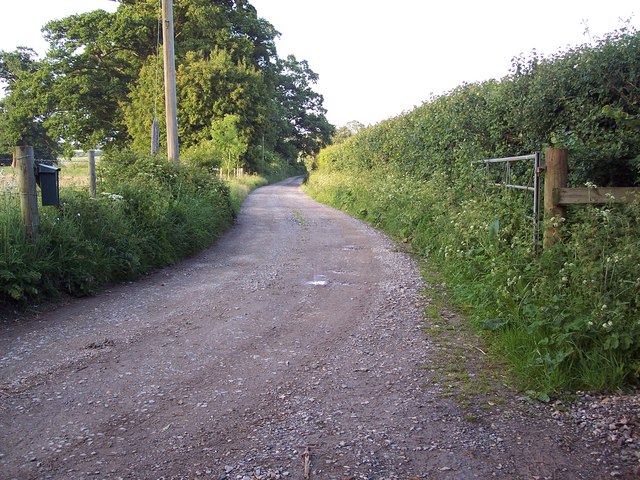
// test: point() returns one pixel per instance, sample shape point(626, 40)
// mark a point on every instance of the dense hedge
point(567, 318)
point(148, 215)
point(586, 99)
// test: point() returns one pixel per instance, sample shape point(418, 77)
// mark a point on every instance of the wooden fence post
point(92, 173)
point(24, 161)
point(556, 173)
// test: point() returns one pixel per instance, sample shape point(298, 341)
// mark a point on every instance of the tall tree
point(98, 83)
point(25, 108)
point(95, 58)
point(227, 142)
point(303, 124)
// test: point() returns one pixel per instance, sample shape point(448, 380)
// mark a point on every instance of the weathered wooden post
point(92, 173)
point(24, 161)
point(556, 174)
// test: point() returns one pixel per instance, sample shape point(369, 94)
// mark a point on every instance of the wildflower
point(590, 185)
point(113, 196)
point(603, 307)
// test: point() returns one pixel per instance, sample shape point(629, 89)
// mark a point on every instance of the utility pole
point(170, 82)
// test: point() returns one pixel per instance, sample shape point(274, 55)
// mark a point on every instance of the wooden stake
point(24, 162)
point(92, 173)
point(556, 174)
point(170, 82)
point(306, 457)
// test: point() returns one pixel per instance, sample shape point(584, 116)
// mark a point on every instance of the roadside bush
point(148, 215)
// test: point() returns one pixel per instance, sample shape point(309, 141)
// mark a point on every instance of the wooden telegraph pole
point(170, 82)
point(555, 177)
point(24, 162)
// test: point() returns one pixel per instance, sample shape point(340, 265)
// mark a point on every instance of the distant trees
point(98, 84)
point(347, 130)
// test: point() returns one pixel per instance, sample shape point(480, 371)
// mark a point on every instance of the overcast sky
point(377, 59)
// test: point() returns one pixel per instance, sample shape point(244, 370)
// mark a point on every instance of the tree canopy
point(98, 85)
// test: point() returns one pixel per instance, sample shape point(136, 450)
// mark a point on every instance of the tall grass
point(241, 187)
point(147, 215)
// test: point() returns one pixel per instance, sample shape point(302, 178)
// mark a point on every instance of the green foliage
point(144, 102)
point(346, 131)
point(566, 318)
point(303, 126)
point(226, 142)
point(224, 149)
point(580, 99)
point(101, 83)
point(23, 112)
point(211, 88)
point(148, 215)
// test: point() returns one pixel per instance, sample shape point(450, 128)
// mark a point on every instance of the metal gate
point(534, 187)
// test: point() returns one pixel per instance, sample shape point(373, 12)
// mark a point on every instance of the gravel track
point(295, 347)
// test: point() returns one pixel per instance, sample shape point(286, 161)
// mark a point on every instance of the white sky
point(377, 59)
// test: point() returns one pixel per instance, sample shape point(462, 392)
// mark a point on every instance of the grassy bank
point(563, 319)
point(146, 215)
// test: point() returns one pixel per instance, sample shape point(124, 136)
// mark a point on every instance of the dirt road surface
point(296, 347)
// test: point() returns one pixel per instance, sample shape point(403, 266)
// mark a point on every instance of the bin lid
point(44, 168)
